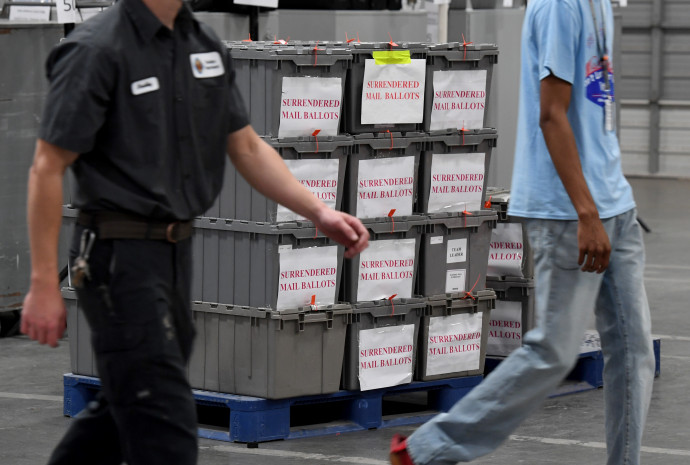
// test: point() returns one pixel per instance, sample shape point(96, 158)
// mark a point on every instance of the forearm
point(560, 141)
point(44, 218)
point(265, 170)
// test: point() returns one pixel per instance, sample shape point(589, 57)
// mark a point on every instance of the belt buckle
point(170, 232)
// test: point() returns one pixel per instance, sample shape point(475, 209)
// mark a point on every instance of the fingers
point(595, 261)
point(362, 240)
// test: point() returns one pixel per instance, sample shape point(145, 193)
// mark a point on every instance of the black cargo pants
point(137, 303)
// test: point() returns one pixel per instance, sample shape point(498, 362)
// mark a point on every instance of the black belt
point(115, 225)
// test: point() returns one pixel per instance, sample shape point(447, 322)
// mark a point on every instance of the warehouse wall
point(654, 88)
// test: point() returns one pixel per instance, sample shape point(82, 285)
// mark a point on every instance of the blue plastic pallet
point(254, 420)
point(588, 373)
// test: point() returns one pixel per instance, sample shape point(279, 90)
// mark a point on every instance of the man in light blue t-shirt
point(580, 217)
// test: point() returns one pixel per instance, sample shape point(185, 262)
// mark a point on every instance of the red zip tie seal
point(315, 134)
point(390, 299)
point(391, 43)
point(390, 215)
point(487, 204)
point(347, 41)
point(469, 293)
point(465, 214)
point(464, 46)
point(313, 303)
point(462, 131)
point(316, 52)
point(249, 39)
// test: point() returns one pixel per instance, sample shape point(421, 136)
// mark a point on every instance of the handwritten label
point(506, 250)
point(459, 99)
point(393, 94)
point(386, 268)
point(456, 281)
point(386, 356)
point(305, 273)
point(454, 343)
point(66, 11)
point(29, 13)
point(457, 182)
point(384, 184)
point(319, 176)
point(308, 104)
point(505, 328)
point(436, 240)
point(456, 251)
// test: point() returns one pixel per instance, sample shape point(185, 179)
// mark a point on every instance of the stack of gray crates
point(266, 282)
point(452, 194)
point(511, 275)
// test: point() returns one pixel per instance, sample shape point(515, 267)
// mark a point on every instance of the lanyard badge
point(605, 63)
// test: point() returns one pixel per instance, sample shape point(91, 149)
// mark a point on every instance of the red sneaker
point(398, 454)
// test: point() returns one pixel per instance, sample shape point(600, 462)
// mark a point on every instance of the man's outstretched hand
point(344, 229)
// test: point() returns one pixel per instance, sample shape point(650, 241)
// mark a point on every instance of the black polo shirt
point(148, 110)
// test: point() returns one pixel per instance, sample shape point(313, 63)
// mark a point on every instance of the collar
point(148, 24)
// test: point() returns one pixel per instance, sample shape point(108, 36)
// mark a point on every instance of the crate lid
point(503, 283)
point(461, 47)
point(388, 307)
point(456, 220)
point(228, 309)
point(368, 47)
point(298, 229)
point(454, 137)
point(307, 144)
point(396, 224)
point(460, 299)
point(309, 315)
point(389, 140)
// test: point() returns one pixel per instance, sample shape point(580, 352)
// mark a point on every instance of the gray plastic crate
point(518, 290)
point(383, 229)
point(454, 253)
point(499, 200)
point(454, 142)
point(454, 56)
point(352, 112)
point(82, 360)
point(263, 353)
point(238, 200)
point(378, 146)
point(238, 262)
point(378, 314)
point(459, 342)
point(260, 68)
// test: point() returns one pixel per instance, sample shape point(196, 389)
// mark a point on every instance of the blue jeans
point(565, 296)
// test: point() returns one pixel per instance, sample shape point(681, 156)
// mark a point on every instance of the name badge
point(145, 86)
point(206, 65)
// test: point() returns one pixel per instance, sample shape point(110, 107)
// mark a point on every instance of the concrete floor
point(566, 430)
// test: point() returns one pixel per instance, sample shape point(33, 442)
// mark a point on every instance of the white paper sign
point(505, 328)
point(386, 268)
point(29, 13)
point(66, 11)
point(454, 343)
point(436, 240)
point(393, 94)
point(386, 356)
point(264, 3)
point(87, 13)
point(384, 184)
point(506, 250)
point(456, 251)
point(459, 99)
point(309, 104)
point(307, 273)
point(456, 281)
point(457, 182)
point(507, 3)
point(319, 176)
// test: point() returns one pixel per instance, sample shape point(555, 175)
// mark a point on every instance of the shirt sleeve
point(81, 81)
point(559, 29)
point(238, 112)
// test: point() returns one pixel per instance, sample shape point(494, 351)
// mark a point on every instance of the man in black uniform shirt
point(144, 106)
